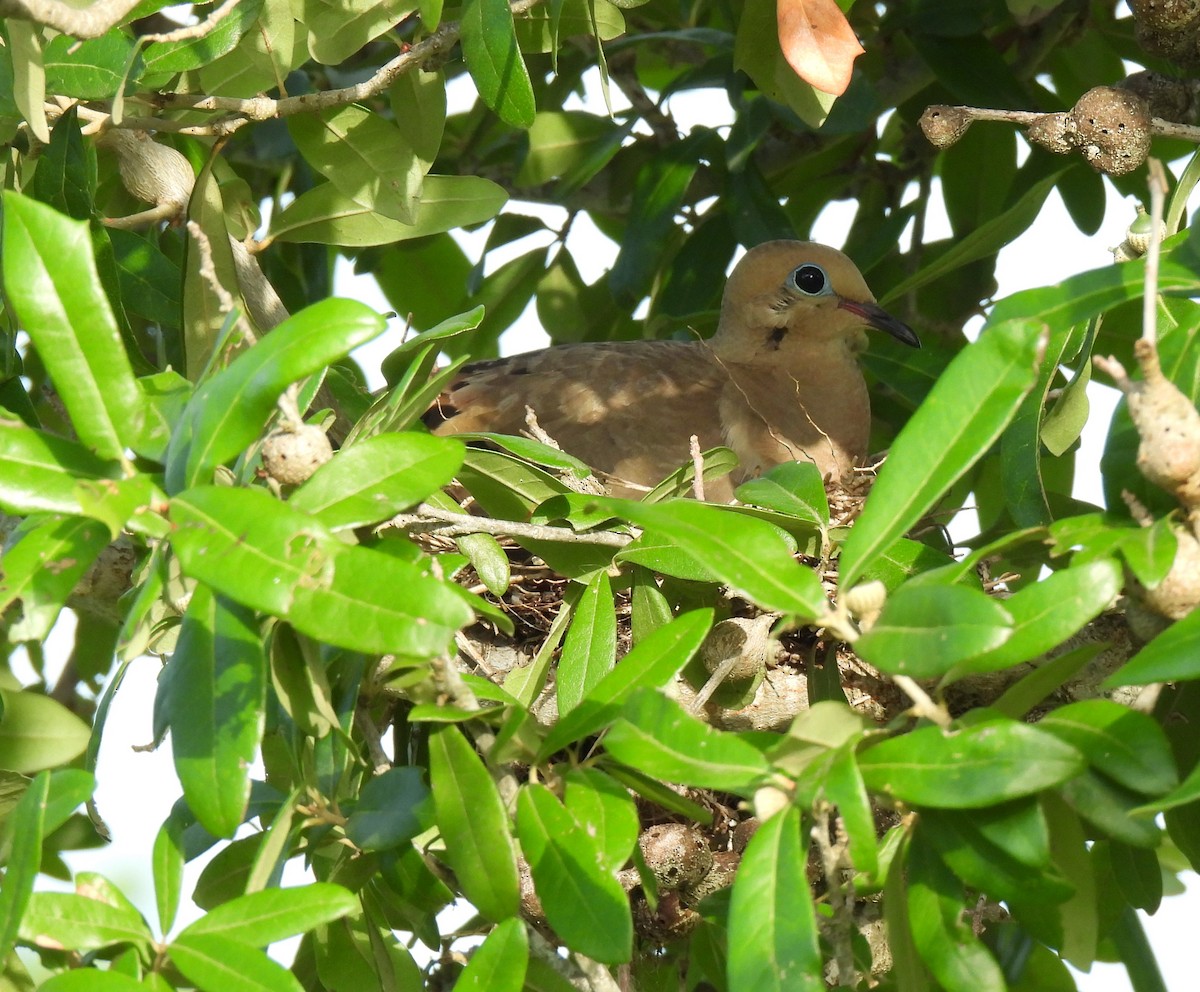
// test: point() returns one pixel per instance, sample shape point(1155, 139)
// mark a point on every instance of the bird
point(779, 381)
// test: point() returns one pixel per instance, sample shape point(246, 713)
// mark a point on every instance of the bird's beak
point(873, 315)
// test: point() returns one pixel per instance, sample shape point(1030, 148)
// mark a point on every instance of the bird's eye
point(810, 280)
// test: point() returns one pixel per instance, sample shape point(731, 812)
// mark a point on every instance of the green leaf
point(1171, 656)
point(166, 862)
point(257, 551)
point(207, 318)
point(562, 141)
point(489, 45)
point(325, 216)
point(936, 909)
point(926, 630)
point(51, 281)
point(844, 786)
point(92, 980)
point(772, 924)
point(590, 648)
point(66, 921)
point(751, 556)
point(261, 918)
point(214, 696)
point(650, 664)
point(366, 157)
point(94, 69)
point(1110, 808)
point(418, 102)
point(377, 478)
point(38, 732)
point(1048, 612)
point(960, 419)
point(794, 488)
point(66, 172)
point(336, 32)
point(27, 828)
point(221, 964)
point(499, 964)
point(656, 736)
point(604, 808)
point(474, 825)
point(1127, 746)
point(392, 809)
point(42, 567)
point(583, 900)
point(170, 57)
point(229, 410)
point(969, 768)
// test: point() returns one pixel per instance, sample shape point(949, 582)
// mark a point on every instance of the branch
point(444, 522)
point(90, 22)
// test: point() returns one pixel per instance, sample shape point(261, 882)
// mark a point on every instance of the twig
point(194, 30)
point(1158, 193)
point(697, 468)
point(451, 524)
point(88, 22)
point(1158, 126)
point(923, 705)
point(841, 926)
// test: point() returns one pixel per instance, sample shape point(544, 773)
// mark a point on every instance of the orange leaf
point(818, 43)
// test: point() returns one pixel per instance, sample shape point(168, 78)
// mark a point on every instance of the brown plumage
point(779, 381)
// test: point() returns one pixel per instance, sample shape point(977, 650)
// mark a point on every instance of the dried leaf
point(818, 43)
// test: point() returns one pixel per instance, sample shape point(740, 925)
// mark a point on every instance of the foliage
point(925, 748)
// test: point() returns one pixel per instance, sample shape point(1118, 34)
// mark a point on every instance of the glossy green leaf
point(650, 664)
point(970, 768)
point(166, 862)
point(28, 828)
point(65, 920)
point(656, 736)
point(325, 216)
point(489, 560)
point(42, 567)
point(92, 980)
point(604, 808)
point(1047, 612)
point(222, 964)
point(377, 478)
point(489, 44)
point(474, 825)
point(208, 275)
point(1172, 655)
point(336, 32)
point(590, 647)
point(418, 102)
point(844, 786)
point(214, 696)
point(230, 409)
point(960, 419)
point(583, 900)
point(51, 281)
point(66, 171)
point(751, 556)
point(772, 924)
point(392, 808)
point(170, 57)
point(367, 158)
point(257, 551)
point(794, 488)
point(926, 630)
point(94, 69)
point(943, 938)
point(561, 141)
point(1110, 807)
point(499, 964)
point(1127, 746)
point(261, 918)
point(38, 732)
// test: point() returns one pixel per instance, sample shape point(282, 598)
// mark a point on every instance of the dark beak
point(873, 315)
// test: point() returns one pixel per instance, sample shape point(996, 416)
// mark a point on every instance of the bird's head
point(790, 295)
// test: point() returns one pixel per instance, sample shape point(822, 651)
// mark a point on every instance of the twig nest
point(152, 172)
point(676, 854)
point(745, 642)
point(292, 454)
point(943, 126)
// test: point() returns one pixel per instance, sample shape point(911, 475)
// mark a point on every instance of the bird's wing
point(626, 408)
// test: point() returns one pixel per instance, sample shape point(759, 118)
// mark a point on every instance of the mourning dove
point(778, 382)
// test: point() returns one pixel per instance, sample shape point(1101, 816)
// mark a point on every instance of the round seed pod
point(152, 172)
point(943, 126)
point(1053, 132)
point(1113, 128)
point(677, 854)
point(291, 456)
point(1166, 15)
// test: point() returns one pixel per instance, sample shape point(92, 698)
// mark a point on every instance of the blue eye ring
point(809, 279)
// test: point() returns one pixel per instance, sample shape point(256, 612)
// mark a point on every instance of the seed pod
point(677, 854)
point(943, 126)
point(1113, 129)
point(152, 172)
